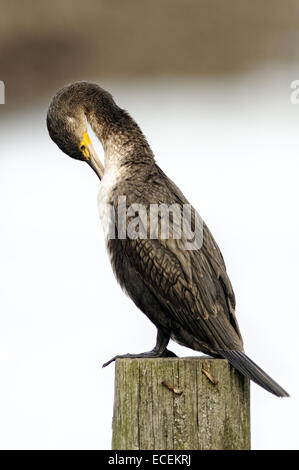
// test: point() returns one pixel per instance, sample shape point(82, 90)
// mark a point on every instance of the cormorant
point(185, 292)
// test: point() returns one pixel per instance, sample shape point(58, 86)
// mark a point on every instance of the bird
point(185, 292)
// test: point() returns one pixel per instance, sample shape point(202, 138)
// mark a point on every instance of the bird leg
point(159, 350)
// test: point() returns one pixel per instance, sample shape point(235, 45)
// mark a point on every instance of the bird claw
point(149, 354)
point(114, 359)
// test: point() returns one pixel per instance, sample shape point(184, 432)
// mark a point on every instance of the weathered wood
point(149, 415)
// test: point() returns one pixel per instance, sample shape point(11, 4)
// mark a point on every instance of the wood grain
point(149, 415)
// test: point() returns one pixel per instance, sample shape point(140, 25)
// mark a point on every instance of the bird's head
point(67, 126)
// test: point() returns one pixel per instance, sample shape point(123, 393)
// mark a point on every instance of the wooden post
point(173, 404)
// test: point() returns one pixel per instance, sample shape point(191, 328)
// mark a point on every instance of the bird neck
point(123, 141)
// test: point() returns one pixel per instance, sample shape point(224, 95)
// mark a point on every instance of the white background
point(232, 148)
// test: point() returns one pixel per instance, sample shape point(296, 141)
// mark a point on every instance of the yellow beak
point(91, 156)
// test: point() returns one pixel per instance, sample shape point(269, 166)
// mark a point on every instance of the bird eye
point(82, 147)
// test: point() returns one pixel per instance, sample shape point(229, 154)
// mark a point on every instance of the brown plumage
point(186, 293)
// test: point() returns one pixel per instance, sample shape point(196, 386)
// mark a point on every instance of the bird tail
point(247, 367)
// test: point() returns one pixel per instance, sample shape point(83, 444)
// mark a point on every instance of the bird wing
point(192, 285)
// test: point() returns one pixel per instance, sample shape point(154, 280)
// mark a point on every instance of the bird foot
point(148, 354)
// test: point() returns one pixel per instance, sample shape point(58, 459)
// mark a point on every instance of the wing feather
point(191, 285)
